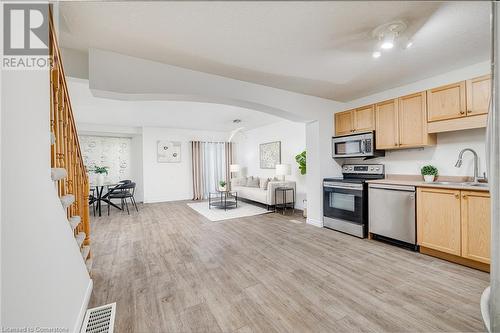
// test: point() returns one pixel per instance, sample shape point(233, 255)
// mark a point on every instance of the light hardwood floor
point(171, 270)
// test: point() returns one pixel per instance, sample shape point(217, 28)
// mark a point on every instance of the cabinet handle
point(396, 144)
point(462, 112)
point(457, 196)
point(469, 111)
point(464, 196)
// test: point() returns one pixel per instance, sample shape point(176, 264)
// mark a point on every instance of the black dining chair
point(123, 192)
point(92, 199)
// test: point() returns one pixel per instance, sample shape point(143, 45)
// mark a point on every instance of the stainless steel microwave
point(355, 145)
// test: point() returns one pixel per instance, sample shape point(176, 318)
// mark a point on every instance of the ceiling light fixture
point(409, 44)
point(386, 36)
point(388, 41)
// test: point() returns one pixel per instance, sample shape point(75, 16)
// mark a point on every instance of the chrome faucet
point(476, 164)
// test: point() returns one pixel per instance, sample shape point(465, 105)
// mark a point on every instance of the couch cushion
point(252, 193)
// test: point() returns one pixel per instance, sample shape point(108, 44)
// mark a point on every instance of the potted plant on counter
point(100, 171)
point(429, 172)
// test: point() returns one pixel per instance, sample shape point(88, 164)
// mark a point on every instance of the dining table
point(100, 196)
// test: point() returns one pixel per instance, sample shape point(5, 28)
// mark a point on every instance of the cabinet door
point(364, 120)
point(386, 124)
point(447, 102)
point(478, 95)
point(413, 120)
point(344, 123)
point(438, 219)
point(476, 226)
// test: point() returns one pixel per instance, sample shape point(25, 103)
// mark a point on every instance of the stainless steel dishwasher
point(391, 213)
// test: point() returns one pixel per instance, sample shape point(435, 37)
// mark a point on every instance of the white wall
point(44, 279)
point(293, 141)
point(449, 144)
point(171, 181)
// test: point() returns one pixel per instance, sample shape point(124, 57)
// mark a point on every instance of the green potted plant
point(301, 161)
point(100, 171)
point(222, 186)
point(429, 172)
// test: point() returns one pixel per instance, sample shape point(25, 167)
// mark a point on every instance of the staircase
point(68, 171)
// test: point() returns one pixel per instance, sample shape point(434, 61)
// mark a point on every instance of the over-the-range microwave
point(355, 145)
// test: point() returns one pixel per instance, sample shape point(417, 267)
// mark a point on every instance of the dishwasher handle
point(405, 188)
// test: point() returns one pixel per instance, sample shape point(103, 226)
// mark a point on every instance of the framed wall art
point(270, 154)
point(168, 151)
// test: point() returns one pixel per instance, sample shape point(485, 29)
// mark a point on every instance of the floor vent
point(100, 319)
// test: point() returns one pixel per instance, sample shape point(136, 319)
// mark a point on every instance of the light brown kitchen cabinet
point(386, 124)
point(476, 226)
point(446, 102)
point(344, 122)
point(438, 219)
point(364, 119)
point(402, 123)
point(478, 95)
point(459, 106)
point(358, 120)
point(455, 222)
point(413, 121)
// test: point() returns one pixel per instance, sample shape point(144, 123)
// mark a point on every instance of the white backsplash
point(443, 155)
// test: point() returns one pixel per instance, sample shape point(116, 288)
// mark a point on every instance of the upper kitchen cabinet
point(364, 119)
point(447, 102)
point(354, 121)
point(402, 123)
point(458, 106)
point(478, 95)
point(413, 122)
point(386, 124)
point(344, 122)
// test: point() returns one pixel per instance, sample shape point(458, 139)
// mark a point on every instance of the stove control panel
point(377, 169)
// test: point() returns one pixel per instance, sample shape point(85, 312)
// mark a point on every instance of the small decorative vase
point(222, 188)
point(99, 180)
point(429, 178)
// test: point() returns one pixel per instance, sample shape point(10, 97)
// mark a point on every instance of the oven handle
point(344, 187)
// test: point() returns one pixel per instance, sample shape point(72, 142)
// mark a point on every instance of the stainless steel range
point(345, 200)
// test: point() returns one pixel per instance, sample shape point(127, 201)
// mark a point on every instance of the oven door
point(344, 201)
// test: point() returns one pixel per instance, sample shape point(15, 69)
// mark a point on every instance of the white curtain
point(214, 166)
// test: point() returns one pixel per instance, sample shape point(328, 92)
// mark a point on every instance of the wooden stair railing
point(65, 151)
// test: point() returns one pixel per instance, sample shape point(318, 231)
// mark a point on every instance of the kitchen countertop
point(411, 180)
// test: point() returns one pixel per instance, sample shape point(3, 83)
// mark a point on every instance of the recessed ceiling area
point(188, 115)
point(316, 48)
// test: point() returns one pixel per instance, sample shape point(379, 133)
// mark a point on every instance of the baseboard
point(314, 222)
point(83, 309)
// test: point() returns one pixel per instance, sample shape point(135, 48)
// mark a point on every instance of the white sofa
point(264, 196)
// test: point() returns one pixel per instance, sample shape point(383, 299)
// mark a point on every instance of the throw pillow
point(263, 183)
point(239, 182)
point(253, 182)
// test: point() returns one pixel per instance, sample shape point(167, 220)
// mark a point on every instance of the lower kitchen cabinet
point(455, 224)
point(438, 219)
point(476, 232)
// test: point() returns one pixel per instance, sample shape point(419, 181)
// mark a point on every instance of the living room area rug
point(215, 214)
